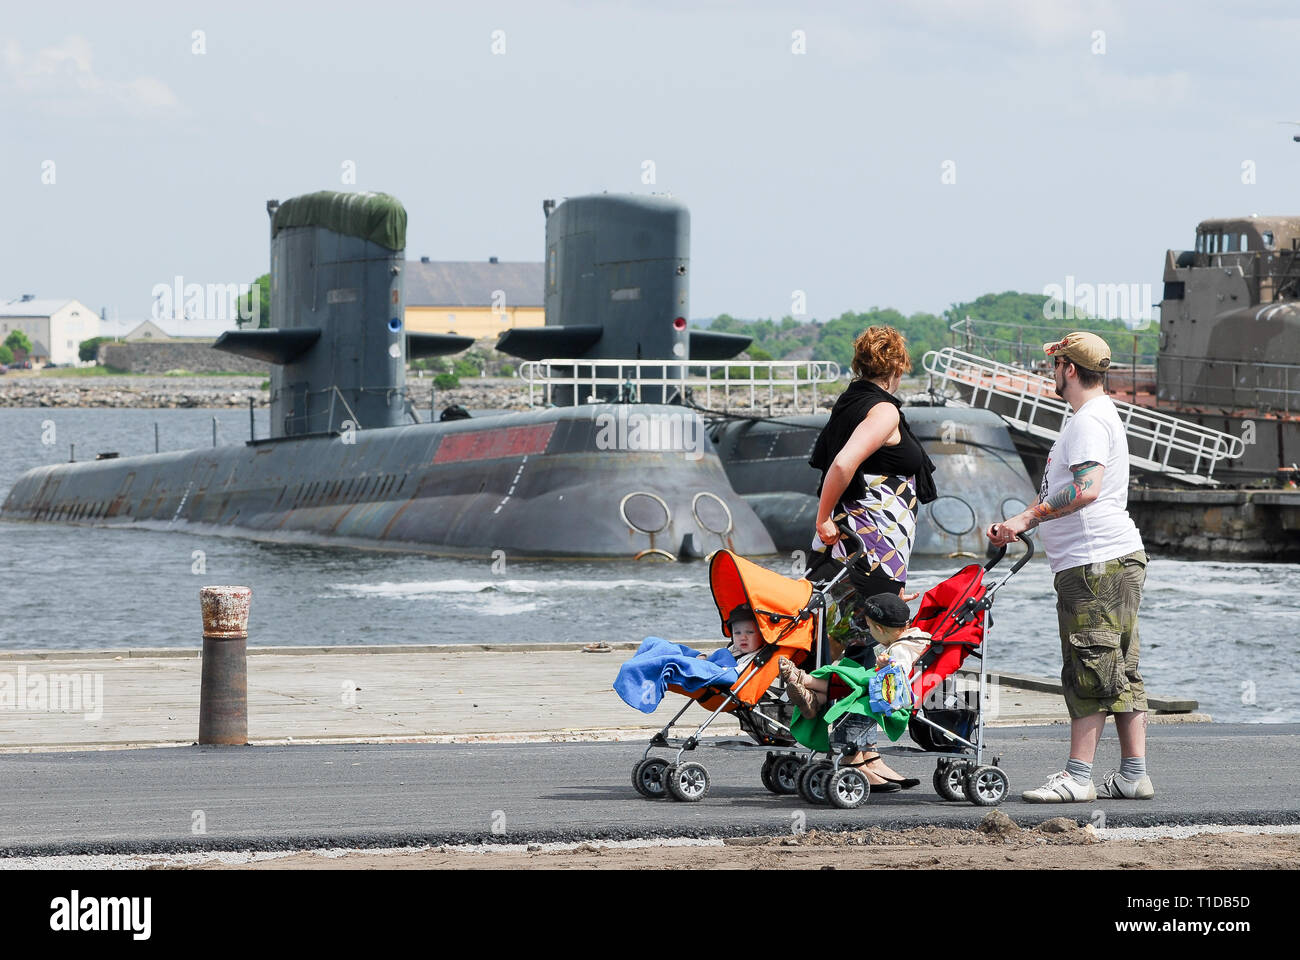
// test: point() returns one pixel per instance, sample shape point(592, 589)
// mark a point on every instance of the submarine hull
point(572, 482)
point(979, 475)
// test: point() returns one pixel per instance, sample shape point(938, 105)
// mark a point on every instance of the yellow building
point(473, 299)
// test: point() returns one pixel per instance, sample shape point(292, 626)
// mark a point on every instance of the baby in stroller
point(745, 638)
point(644, 679)
point(888, 619)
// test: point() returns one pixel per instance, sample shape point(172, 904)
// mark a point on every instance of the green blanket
point(812, 731)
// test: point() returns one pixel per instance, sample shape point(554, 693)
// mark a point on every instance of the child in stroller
point(888, 619)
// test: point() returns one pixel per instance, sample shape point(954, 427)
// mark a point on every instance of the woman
point(874, 474)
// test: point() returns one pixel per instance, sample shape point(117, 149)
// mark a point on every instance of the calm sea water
point(1220, 633)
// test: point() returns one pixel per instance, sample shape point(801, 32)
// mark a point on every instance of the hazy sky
point(820, 171)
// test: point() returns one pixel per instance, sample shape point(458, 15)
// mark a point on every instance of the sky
point(908, 155)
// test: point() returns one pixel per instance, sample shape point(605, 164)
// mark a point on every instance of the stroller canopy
point(951, 641)
point(773, 598)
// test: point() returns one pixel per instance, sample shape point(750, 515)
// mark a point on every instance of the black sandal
point(907, 783)
point(889, 786)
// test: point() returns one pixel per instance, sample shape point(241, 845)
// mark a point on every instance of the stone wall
point(1219, 524)
point(196, 356)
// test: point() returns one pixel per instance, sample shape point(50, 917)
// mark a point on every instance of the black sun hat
point(887, 609)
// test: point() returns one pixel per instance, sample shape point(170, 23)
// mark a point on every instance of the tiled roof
point(32, 308)
point(454, 283)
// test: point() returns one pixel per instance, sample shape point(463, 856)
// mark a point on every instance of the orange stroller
point(790, 615)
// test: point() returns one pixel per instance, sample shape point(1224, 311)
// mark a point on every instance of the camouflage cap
point(1086, 349)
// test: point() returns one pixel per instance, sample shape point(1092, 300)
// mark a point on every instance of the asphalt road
point(398, 794)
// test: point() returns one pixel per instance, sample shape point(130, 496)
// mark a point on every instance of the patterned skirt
point(885, 519)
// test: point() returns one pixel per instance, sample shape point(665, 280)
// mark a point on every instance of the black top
point(905, 459)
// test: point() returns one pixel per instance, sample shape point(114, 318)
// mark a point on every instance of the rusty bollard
point(223, 694)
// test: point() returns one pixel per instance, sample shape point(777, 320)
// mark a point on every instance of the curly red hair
point(879, 353)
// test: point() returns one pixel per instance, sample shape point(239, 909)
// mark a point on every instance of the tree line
point(1009, 327)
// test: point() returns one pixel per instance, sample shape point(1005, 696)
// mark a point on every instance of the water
point(1216, 632)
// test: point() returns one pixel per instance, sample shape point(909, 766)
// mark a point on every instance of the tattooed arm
point(1074, 496)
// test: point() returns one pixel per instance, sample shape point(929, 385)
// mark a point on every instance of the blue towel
point(641, 681)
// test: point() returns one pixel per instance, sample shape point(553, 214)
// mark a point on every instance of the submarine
point(594, 245)
point(980, 477)
point(347, 461)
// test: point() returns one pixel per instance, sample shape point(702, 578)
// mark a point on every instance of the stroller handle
point(850, 535)
point(847, 531)
point(1002, 552)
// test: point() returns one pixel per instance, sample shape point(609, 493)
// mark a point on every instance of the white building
point(148, 331)
point(55, 327)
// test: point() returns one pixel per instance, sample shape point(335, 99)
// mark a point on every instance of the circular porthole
point(953, 516)
point(1012, 506)
point(712, 513)
point(646, 512)
point(395, 324)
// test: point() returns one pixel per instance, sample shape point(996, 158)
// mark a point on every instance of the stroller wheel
point(987, 786)
point(687, 781)
point(766, 774)
point(647, 777)
point(812, 782)
point(848, 788)
point(950, 781)
point(785, 774)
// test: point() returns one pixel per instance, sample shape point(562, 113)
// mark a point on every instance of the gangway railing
point(727, 385)
point(1157, 442)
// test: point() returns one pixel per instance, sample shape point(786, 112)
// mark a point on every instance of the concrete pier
point(461, 693)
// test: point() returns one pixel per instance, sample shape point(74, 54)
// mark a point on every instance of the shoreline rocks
point(157, 392)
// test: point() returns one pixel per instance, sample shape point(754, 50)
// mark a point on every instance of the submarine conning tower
point(337, 296)
point(617, 288)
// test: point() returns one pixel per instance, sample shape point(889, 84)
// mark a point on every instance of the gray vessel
point(346, 464)
point(978, 473)
point(1230, 340)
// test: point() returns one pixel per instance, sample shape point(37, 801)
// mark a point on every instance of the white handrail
point(583, 377)
point(1158, 442)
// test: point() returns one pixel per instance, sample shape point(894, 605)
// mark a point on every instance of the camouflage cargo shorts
point(1097, 610)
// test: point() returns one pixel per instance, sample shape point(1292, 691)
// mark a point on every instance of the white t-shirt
point(1102, 530)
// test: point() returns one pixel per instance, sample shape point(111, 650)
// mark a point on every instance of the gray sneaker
point(1118, 787)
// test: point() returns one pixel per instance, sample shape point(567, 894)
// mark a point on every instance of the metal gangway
point(769, 385)
point(1157, 442)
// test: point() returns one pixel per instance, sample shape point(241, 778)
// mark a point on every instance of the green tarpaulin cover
point(812, 732)
point(376, 217)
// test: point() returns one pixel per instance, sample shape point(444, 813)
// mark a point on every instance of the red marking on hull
point(494, 444)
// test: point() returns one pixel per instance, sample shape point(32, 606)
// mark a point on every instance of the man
point(1096, 554)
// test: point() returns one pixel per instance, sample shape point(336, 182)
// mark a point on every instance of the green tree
point(1012, 328)
point(89, 349)
point(18, 342)
point(464, 367)
point(446, 381)
point(256, 303)
point(6, 355)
